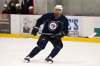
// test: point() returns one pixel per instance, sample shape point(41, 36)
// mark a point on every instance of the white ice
point(12, 52)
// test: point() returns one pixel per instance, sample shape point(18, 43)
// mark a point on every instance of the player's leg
point(57, 43)
point(40, 46)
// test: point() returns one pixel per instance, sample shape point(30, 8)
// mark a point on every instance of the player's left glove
point(64, 34)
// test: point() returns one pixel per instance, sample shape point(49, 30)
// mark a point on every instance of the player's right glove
point(34, 31)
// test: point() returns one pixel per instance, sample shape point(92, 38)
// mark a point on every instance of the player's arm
point(38, 23)
point(66, 24)
point(41, 20)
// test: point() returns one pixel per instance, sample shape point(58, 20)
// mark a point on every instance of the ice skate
point(49, 60)
point(27, 59)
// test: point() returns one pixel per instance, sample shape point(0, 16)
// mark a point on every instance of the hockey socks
point(34, 52)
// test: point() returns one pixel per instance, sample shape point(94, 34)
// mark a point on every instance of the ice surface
point(12, 52)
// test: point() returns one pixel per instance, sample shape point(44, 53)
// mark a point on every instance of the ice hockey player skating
point(55, 27)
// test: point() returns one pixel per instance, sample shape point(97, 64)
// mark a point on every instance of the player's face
point(58, 11)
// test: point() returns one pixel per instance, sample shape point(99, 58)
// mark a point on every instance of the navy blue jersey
point(53, 27)
point(53, 24)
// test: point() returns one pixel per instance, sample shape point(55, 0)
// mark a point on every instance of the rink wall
point(79, 26)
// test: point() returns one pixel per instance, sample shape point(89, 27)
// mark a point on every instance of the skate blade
point(26, 61)
point(50, 62)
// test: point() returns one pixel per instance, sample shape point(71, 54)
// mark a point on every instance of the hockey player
point(55, 27)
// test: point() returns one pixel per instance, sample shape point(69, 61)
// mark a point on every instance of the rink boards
point(75, 39)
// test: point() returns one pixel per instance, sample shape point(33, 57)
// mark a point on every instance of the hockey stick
point(58, 34)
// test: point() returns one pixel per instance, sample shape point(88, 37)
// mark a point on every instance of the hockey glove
point(64, 33)
point(34, 31)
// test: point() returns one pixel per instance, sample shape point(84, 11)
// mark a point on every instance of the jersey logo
point(52, 26)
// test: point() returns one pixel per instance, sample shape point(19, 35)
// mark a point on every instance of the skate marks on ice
point(13, 51)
